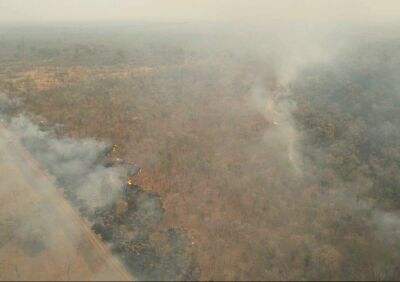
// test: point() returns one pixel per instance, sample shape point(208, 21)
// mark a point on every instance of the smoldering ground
point(98, 189)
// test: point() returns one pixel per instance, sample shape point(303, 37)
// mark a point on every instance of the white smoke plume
point(75, 164)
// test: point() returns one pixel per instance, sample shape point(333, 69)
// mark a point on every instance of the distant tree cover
point(350, 112)
point(73, 46)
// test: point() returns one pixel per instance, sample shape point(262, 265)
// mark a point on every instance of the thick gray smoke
point(76, 165)
point(7, 105)
point(101, 194)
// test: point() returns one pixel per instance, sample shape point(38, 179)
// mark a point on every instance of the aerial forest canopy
point(349, 114)
point(245, 166)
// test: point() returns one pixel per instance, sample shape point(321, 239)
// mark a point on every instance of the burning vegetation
point(228, 163)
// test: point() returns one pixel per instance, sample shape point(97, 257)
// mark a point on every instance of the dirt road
point(41, 235)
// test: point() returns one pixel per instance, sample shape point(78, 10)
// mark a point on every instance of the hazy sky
point(209, 10)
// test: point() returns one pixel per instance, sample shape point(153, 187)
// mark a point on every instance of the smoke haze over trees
point(267, 152)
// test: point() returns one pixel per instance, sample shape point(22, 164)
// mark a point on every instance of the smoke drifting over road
point(103, 197)
point(76, 165)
